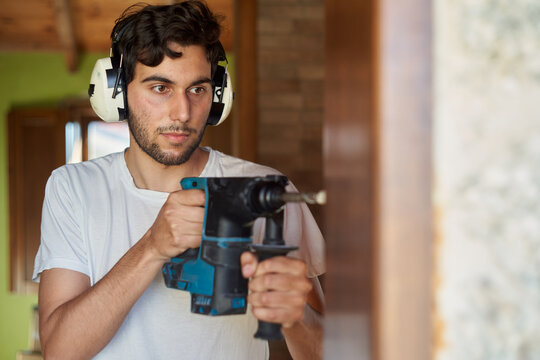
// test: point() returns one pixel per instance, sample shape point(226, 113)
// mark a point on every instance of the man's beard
point(142, 137)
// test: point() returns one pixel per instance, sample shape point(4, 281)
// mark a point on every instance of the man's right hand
point(178, 225)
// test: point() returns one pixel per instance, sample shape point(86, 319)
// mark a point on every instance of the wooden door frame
point(377, 146)
point(23, 207)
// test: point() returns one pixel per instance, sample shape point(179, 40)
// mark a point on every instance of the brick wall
point(290, 70)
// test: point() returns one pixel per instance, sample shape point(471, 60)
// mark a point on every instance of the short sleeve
point(62, 245)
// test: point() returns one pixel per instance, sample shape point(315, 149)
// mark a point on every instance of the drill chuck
point(268, 198)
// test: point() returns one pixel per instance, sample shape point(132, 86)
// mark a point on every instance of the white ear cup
point(101, 90)
point(227, 99)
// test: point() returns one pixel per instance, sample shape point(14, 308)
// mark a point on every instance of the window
point(40, 140)
point(102, 139)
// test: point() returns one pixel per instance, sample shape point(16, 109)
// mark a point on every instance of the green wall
point(27, 79)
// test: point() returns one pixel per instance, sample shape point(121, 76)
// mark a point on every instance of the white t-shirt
point(93, 213)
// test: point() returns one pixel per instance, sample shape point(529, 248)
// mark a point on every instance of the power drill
point(212, 272)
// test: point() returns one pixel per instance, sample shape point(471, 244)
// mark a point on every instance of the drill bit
point(309, 198)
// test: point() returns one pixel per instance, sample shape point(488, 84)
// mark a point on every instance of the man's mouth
point(176, 137)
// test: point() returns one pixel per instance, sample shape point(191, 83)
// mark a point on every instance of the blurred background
point(487, 193)
point(419, 117)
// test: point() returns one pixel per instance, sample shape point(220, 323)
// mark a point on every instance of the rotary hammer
point(212, 272)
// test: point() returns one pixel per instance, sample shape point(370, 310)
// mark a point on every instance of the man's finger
point(281, 265)
point(249, 263)
point(280, 282)
point(277, 299)
point(278, 315)
point(192, 214)
point(192, 197)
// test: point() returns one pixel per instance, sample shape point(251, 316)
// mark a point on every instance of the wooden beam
point(348, 176)
point(65, 33)
point(245, 113)
point(404, 229)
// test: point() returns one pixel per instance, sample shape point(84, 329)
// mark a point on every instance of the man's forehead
point(192, 63)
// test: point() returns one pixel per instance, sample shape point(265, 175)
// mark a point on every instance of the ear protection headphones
point(108, 88)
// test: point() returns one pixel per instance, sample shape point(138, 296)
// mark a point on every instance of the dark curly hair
point(143, 33)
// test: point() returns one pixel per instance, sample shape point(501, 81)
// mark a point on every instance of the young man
point(110, 224)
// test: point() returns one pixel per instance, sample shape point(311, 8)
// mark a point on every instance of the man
point(110, 224)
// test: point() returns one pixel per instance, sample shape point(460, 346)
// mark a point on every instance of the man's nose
point(180, 107)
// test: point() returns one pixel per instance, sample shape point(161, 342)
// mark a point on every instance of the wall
point(290, 70)
point(487, 154)
point(26, 80)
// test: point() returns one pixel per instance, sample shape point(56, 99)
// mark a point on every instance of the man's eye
point(197, 90)
point(160, 89)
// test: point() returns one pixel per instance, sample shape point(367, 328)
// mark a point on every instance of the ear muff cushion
point(101, 89)
point(228, 97)
point(222, 90)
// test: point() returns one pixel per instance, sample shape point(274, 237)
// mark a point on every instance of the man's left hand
point(278, 288)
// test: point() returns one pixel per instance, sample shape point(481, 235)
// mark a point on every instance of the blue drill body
point(212, 273)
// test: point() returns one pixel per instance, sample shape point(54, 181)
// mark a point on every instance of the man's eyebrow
point(159, 79)
point(165, 80)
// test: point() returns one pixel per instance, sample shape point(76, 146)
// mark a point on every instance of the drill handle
point(273, 245)
point(193, 183)
point(266, 330)
point(173, 270)
point(191, 253)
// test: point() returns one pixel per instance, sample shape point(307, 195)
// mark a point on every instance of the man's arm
point(77, 320)
point(305, 337)
point(281, 293)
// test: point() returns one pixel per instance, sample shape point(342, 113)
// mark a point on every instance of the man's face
point(169, 105)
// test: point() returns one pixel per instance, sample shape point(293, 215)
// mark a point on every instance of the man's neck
point(149, 174)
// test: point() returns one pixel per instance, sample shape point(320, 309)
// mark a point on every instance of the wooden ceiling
point(76, 26)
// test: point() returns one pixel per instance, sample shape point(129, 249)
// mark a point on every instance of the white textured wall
point(487, 163)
